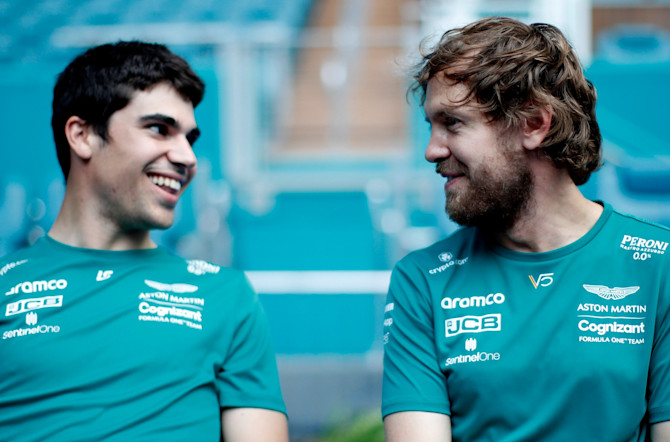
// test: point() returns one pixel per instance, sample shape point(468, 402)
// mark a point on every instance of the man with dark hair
point(104, 334)
point(546, 317)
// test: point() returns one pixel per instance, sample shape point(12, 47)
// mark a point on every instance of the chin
point(163, 225)
point(159, 223)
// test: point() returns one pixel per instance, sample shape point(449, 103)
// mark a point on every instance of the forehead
point(443, 92)
point(162, 99)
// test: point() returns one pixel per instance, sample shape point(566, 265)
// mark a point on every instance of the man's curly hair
point(511, 70)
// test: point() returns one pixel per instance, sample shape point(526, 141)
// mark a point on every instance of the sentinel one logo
point(31, 318)
point(472, 324)
point(475, 357)
point(473, 301)
point(34, 329)
point(37, 286)
point(38, 329)
point(471, 344)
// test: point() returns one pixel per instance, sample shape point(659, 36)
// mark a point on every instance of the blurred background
point(311, 172)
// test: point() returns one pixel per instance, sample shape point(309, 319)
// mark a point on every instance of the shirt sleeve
point(659, 368)
point(248, 376)
point(412, 378)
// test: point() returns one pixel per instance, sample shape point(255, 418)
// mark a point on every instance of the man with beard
point(546, 317)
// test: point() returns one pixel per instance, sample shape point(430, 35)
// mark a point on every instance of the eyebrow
point(192, 135)
point(442, 113)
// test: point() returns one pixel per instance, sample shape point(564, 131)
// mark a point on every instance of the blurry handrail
point(326, 282)
point(223, 33)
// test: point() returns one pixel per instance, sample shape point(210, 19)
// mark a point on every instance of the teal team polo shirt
point(570, 344)
point(132, 345)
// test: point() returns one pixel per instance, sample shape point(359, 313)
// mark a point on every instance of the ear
point(536, 128)
point(80, 136)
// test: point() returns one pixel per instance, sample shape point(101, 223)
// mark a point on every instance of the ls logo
point(104, 274)
point(544, 280)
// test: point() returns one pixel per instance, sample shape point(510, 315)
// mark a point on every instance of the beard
point(495, 194)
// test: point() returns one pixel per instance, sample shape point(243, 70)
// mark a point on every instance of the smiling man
point(547, 316)
point(106, 336)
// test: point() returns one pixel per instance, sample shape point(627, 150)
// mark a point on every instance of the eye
point(192, 137)
point(450, 122)
point(158, 128)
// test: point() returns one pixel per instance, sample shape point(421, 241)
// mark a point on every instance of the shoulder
point(19, 258)
point(447, 252)
point(202, 269)
point(633, 231)
point(626, 220)
point(213, 279)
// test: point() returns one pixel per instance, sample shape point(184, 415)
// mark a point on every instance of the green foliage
point(365, 428)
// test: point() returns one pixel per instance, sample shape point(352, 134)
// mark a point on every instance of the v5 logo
point(543, 280)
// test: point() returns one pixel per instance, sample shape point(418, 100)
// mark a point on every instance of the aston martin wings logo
point(610, 293)
point(175, 288)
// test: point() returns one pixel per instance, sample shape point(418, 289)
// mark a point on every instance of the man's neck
point(556, 216)
point(77, 227)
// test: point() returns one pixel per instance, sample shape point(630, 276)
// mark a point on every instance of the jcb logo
point(27, 305)
point(472, 324)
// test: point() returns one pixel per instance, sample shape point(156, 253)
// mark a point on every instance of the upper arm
point(253, 424)
point(658, 382)
point(417, 425)
point(412, 379)
point(247, 376)
point(660, 432)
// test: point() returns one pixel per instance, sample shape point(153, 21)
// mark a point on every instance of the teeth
point(166, 182)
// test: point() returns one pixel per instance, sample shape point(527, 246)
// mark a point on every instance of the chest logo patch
point(11, 265)
point(610, 292)
point(543, 280)
point(449, 261)
point(174, 288)
point(472, 324)
point(199, 267)
point(27, 305)
point(104, 274)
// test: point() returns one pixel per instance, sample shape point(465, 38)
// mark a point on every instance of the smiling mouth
point(167, 183)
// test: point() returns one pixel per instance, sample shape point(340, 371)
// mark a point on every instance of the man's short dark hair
point(103, 79)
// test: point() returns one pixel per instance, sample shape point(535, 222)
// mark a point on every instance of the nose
point(181, 153)
point(437, 149)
